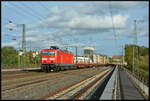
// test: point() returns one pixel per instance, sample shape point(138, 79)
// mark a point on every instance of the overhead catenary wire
point(27, 12)
point(33, 11)
point(44, 6)
point(19, 8)
point(109, 5)
point(22, 12)
point(18, 12)
point(113, 25)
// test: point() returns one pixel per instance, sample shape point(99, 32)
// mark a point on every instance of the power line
point(18, 12)
point(112, 20)
point(44, 6)
point(115, 34)
point(26, 11)
point(35, 12)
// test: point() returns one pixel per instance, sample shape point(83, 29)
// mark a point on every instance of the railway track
point(78, 90)
point(27, 83)
point(79, 84)
point(20, 75)
point(29, 78)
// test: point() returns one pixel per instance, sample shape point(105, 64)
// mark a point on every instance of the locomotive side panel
point(66, 58)
point(58, 57)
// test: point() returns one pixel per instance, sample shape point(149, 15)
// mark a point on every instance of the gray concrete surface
point(128, 90)
point(109, 89)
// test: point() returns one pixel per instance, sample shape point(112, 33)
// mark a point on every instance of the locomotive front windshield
point(48, 53)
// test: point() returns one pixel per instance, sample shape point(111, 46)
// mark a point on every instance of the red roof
point(116, 56)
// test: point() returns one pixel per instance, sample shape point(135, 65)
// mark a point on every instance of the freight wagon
point(83, 62)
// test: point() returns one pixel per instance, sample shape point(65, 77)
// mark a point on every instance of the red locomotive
point(54, 59)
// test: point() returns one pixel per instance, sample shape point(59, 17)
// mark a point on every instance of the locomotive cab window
point(51, 53)
point(48, 53)
point(45, 53)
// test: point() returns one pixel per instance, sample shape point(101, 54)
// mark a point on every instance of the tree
point(9, 56)
point(143, 53)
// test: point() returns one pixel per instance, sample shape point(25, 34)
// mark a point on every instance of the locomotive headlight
point(52, 58)
point(44, 58)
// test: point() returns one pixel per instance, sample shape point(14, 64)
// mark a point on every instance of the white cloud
point(144, 33)
point(66, 23)
point(42, 39)
point(55, 10)
point(83, 19)
point(75, 25)
point(33, 39)
point(80, 19)
point(32, 33)
point(84, 16)
point(124, 5)
point(129, 33)
point(98, 22)
point(86, 22)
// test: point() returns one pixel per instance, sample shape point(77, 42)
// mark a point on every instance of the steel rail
point(92, 86)
point(34, 83)
point(28, 80)
point(73, 91)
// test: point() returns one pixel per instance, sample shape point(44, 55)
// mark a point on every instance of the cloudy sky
point(106, 26)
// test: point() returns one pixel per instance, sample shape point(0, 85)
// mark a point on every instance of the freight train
point(55, 59)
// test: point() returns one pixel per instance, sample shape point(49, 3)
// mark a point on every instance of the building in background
point(82, 60)
point(88, 52)
point(118, 59)
point(106, 59)
point(98, 58)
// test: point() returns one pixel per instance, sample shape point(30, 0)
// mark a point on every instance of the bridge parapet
point(110, 89)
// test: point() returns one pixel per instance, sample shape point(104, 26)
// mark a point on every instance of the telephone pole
point(76, 54)
point(18, 54)
point(24, 44)
point(133, 61)
point(122, 57)
point(30, 46)
point(135, 50)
